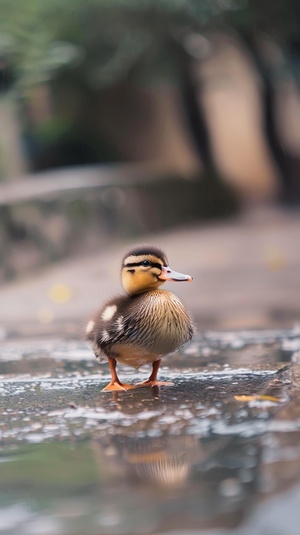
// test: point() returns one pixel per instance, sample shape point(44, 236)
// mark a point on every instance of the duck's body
point(141, 327)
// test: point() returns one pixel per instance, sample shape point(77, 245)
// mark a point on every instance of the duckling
point(146, 323)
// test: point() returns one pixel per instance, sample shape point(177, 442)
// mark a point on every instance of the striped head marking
point(141, 268)
point(146, 268)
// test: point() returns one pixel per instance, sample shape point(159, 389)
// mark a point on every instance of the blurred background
point(174, 122)
point(120, 119)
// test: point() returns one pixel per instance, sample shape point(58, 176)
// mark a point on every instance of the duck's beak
point(167, 274)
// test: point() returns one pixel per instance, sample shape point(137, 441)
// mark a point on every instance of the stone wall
point(59, 222)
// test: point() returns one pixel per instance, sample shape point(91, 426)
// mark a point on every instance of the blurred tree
point(270, 32)
point(98, 43)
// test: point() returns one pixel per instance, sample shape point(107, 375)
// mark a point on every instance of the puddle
point(192, 456)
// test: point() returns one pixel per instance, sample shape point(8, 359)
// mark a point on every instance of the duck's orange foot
point(120, 387)
point(148, 382)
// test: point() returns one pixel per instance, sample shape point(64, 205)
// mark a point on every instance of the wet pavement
point(217, 453)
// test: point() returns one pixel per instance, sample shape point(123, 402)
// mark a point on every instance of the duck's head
point(146, 268)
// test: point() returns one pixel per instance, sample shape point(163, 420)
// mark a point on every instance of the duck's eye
point(145, 263)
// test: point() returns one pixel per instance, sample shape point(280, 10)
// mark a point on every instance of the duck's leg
point(115, 383)
point(152, 381)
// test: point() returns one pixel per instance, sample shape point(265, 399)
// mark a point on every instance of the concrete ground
point(246, 274)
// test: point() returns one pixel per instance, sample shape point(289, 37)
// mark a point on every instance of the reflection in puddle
point(122, 483)
point(164, 461)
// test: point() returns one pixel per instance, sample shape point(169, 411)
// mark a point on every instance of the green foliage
point(100, 39)
point(103, 40)
point(29, 38)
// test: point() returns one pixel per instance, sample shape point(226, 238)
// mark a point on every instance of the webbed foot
point(115, 386)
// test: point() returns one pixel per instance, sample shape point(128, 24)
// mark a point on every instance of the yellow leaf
point(60, 293)
point(258, 398)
